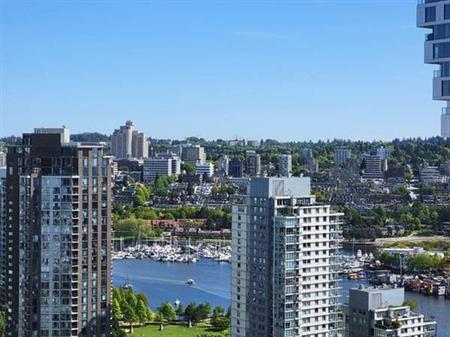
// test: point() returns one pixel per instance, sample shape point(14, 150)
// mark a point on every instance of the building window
point(445, 88)
point(445, 69)
point(442, 31)
point(430, 14)
point(441, 50)
point(446, 12)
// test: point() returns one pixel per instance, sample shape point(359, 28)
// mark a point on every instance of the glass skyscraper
point(58, 242)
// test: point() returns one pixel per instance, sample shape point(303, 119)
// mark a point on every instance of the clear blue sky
point(290, 70)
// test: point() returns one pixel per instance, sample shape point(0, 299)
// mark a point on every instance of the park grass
point(173, 331)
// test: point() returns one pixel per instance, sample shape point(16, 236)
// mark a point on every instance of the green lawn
point(172, 331)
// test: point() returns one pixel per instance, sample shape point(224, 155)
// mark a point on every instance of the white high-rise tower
point(286, 251)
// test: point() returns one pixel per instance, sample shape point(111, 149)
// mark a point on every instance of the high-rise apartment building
point(445, 124)
point(58, 238)
point(193, 154)
point(223, 165)
point(306, 154)
point(435, 15)
point(236, 168)
point(286, 250)
point(3, 251)
point(285, 165)
point(127, 142)
point(382, 152)
point(253, 161)
point(342, 155)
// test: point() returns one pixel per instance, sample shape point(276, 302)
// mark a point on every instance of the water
point(167, 282)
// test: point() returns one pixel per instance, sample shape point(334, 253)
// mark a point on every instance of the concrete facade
point(435, 15)
point(127, 142)
point(284, 265)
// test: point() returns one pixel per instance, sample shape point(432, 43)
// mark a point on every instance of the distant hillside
point(89, 137)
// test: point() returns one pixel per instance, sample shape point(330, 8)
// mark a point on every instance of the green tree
point(189, 168)
point(221, 323)
point(141, 312)
point(189, 313)
point(117, 331)
point(129, 315)
point(410, 303)
point(117, 311)
point(150, 316)
point(142, 297)
point(218, 311)
point(2, 324)
point(203, 311)
point(160, 318)
point(320, 196)
point(167, 311)
point(180, 310)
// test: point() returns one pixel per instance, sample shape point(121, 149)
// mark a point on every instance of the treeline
point(415, 214)
point(415, 263)
point(412, 151)
point(132, 219)
point(132, 308)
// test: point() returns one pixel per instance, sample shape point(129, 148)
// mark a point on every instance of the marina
point(186, 253)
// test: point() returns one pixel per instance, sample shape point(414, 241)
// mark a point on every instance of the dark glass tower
point(58, 237)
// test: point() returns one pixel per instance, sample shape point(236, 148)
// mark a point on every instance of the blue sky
point(290, 70)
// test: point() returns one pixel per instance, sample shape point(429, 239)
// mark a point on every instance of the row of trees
point(414, 214)
point(134, 228)
point(129, 307)
point(216, 218)
point(132, 308)
point(416, 263)
point(414, 151)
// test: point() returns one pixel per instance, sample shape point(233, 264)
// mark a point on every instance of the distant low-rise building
point(205, 168)
point(430, 175)
point(374, 167)
point(156, 167)
point(379, 312)
point(342, 155)
point(253, 143)
point(176, 161)
point(193, 154)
